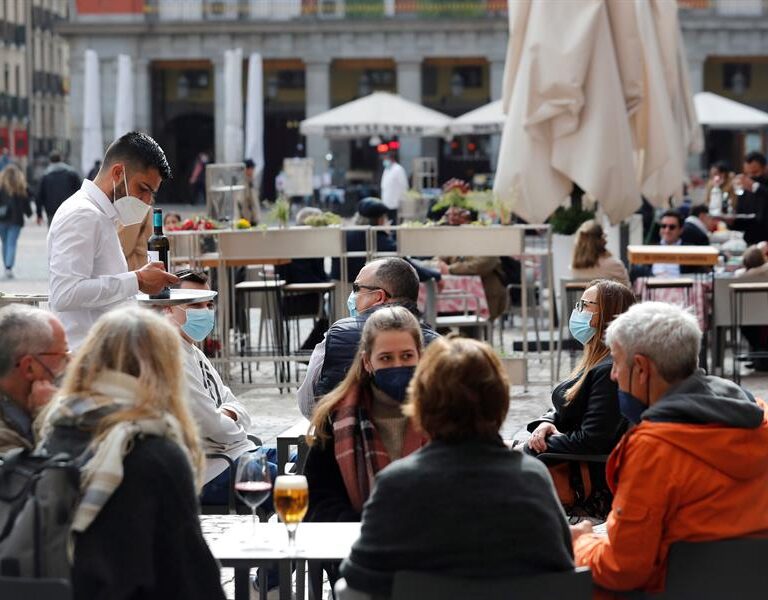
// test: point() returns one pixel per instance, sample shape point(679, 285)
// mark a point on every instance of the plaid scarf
point(359, 450)
point(103, 472)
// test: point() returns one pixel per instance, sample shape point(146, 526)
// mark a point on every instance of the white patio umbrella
point(566, 119)
point(254, 114)
point(233, 104)
point(596, 93)
point(717, 112)
point(486, 119)
point(124, 104)
point(93, 141)
point(380, 113)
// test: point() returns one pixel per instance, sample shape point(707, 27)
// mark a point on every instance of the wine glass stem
point(253, 521)
point(292, 536)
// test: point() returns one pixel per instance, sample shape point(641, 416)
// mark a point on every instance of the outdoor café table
point(314, 542)
point(456, 294)
point(701, 292)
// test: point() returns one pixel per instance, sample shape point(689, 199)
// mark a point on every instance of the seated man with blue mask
point(382, 282)
point(223, 421)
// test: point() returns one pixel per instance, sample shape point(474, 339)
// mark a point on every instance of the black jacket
point(475, 509)
point(18, 208)
point(58, 183)
point(342, 342)
point(330, 501)
point(146, 541)
point(592, 422)
point(693, 236)
point(755, 230)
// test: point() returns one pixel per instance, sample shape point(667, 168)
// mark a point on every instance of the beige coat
point(489, 269)
point(607, 267)
point(133, 240)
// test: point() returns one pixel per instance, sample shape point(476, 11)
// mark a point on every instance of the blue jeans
point(216, 491)
point(9, 234)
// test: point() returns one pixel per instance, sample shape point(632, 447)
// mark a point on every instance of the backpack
point(39, 494)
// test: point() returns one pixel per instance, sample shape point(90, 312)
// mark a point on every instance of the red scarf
point(359, 450)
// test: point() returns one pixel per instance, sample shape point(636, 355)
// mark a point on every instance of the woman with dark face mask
point(359, 427)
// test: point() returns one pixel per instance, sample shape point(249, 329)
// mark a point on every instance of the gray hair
point(666, 334)
point(23, 330)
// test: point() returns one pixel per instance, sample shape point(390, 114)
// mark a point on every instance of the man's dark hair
point(139, 151)
point(191, 276)
point(699, 209)
point(54, 156)
point(722, 167)
point(675, 214)
point(755, 156)
point(398, 278)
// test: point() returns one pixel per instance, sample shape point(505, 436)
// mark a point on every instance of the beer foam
point(291, 482)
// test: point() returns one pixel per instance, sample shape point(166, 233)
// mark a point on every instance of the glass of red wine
point(253, 483)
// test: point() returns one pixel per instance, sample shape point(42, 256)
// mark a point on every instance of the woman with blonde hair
point(591, 259)
point(585, 417)
point(122, 409)
point(359, 427)
point(14, 206)
point(464, 505)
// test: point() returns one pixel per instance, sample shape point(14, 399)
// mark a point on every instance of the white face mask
point(130, 210)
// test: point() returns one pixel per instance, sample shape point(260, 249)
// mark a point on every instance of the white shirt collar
point(698, 223)
point(663, 242)
point(99, 199)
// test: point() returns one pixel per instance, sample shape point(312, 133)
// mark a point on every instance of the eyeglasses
point(582, 304)
point(356, 287)
point(668, 226)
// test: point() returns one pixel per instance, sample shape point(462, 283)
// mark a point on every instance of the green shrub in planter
point(566, 221)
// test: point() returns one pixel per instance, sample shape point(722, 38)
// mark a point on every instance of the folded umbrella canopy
point(595, 93)
point(380, 113)
point(489, 118)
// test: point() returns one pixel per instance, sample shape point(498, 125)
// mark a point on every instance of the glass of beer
point(291, 498)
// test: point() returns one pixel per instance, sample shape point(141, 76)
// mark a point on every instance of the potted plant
point(281, 212)
point(565, 221)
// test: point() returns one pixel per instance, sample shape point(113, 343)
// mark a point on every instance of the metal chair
point(739, 292)
point(574, 585)
point(653, 284)
point(27, 588)
point(570, 291)
point(230, 508)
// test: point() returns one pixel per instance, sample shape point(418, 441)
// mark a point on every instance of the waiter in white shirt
point(87, 271)
point(394, 185)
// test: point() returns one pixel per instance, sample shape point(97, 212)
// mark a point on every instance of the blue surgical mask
point(629, 405)
point(579, 326)
point(352, 304)
point(393, 381)
point(199, 323)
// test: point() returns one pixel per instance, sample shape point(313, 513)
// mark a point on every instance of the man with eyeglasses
point(670, 232)
point(379, 283)
point(33, 355)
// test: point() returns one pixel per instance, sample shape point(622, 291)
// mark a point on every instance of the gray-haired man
point(33, 354)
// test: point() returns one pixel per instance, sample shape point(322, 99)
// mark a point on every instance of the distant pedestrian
point(14, 206)
point(94, 170)
point(394, 185)
point(5, 160)
point(197, 178)
point(58, 183)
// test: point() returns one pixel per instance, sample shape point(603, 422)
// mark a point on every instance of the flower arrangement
point(197, 223)
point(281, 211)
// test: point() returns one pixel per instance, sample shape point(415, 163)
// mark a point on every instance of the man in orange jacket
point(693, 468)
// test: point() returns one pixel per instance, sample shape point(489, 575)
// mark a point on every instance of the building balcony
point(277, 10)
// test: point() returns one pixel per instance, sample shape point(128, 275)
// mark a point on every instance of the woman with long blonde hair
point(359, 427)
point(123, 410)
point(14, 206)
point(591, 258)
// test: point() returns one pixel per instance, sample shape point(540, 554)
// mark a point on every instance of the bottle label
point(153, 256)
point(157, 219)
